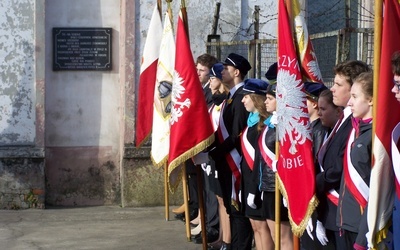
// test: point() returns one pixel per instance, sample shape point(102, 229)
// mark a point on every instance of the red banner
point(308, 60)
point(191, 129)
point(295, 162)
point(380, 204)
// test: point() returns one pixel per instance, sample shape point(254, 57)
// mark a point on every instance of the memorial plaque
point(82, 48)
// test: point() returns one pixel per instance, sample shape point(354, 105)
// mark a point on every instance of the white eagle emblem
point(293, 121)
point(177, 104)
point(314, 69)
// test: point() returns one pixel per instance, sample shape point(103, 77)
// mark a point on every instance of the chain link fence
point(340, 30)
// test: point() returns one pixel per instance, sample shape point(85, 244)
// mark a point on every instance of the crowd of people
point(240, 174)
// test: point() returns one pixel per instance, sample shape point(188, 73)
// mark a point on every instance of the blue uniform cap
point(272, 72)
point(238, 62)
point(313, 89)
point(216, 70)
point(255, 86)
point(271, 89)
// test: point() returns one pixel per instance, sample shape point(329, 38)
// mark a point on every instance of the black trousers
point(192, 185)
point(241, 231)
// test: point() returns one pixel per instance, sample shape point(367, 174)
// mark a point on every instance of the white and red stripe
point(233, 159)
point(247, 149)
point(354, 182)
point(266, 153)
point(147, 80)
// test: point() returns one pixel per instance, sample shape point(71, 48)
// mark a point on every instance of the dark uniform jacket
point(235, 118)
point(349, 214)
point(247, 184)
point(333, 167)
point(318, 135)
point(263, 175)
point(208, 94)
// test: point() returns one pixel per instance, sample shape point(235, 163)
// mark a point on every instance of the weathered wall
point(82, 153)
point(22, 181)
point(17, 48)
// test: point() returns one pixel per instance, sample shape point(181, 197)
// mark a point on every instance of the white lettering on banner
point(295, 162)
point(286, 61)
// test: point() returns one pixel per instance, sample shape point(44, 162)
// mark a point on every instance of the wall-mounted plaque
point(82, 48)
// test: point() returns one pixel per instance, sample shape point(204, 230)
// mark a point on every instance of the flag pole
point(159, 7)
point(186, 201)
point(377, 56)
point(296, 240)
point(201, 206)
point(277, 195)
point(184, 17)
point(198, 171)
point(169, 9)
point(277, 207)
point(166, 194)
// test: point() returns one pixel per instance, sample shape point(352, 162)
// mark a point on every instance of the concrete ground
point(104, 227)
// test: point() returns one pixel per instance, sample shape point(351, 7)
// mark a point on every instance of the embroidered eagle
point(293, 119)
point(177, 105)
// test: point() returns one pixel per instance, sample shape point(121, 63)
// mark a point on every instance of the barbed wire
point(333, 20)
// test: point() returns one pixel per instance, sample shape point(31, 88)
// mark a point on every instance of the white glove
point(240, 196)
point(274, 118)
point(310, 228)
point(250, 201)
point(284, 202)
point(208, 170)
point(321, 235)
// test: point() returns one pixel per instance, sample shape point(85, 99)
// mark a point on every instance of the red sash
point(247, 149)
point(352, 179)
point(266, 153)
point(233, 159)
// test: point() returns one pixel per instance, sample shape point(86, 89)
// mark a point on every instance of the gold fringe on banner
point(185, 156)
point(298, 230)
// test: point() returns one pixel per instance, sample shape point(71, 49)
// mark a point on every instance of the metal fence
point(332, 44)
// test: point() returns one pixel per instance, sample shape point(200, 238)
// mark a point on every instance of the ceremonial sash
point(247, 149)
point(233, 159)
point(332, 194)
point(352, 179)
point(396, 157)
point(266, 153)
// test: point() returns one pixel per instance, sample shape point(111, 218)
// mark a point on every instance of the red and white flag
point(308, 60)
point(162, 96)
point(380, 204)
point(148, 71)
point(295, 163)
point(191, 129)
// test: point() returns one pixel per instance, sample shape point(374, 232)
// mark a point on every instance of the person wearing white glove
point(253, 101)
point(321, 233)
point(250, 201)
point(266, 166)
point(313, 91)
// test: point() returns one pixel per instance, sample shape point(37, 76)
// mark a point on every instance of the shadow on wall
point(82, 118)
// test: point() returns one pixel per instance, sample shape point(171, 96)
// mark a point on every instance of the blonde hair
point(258, 101)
